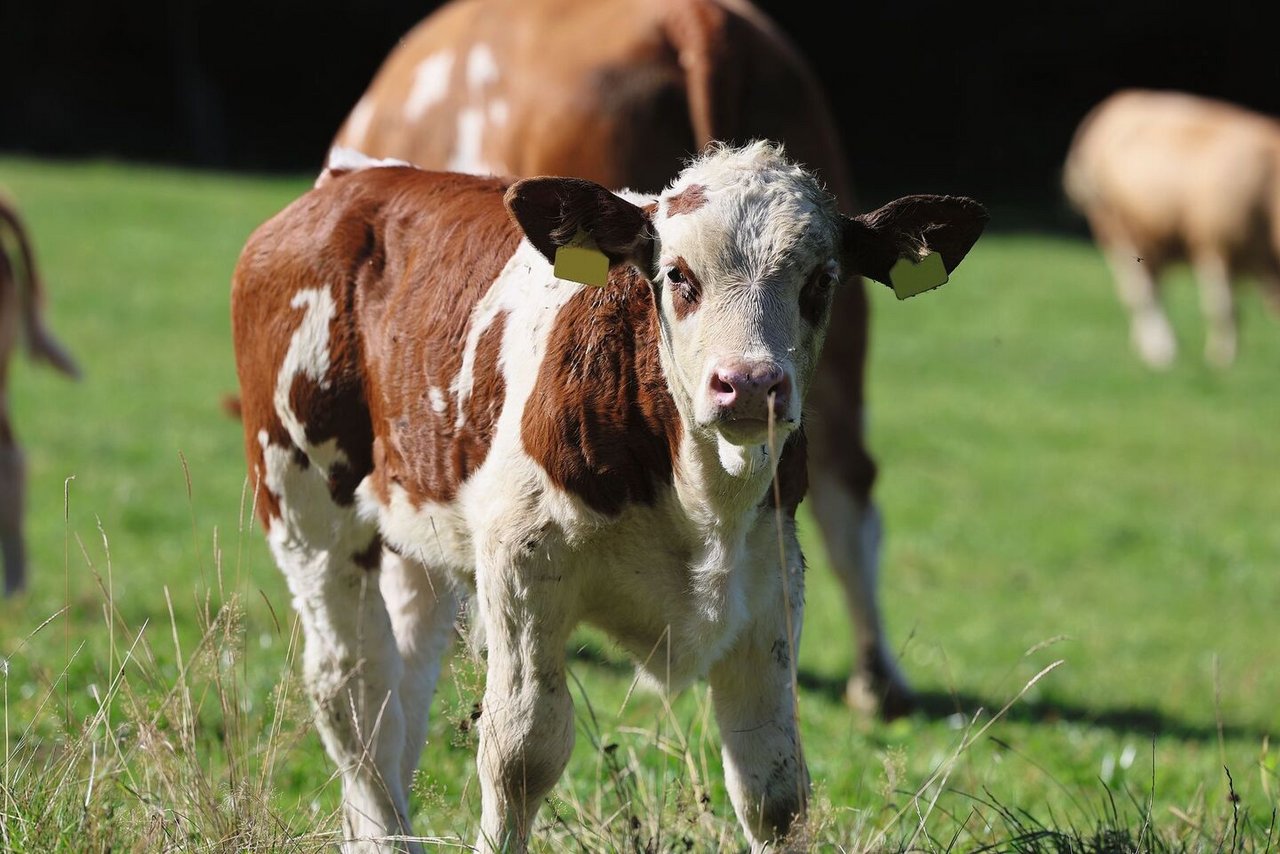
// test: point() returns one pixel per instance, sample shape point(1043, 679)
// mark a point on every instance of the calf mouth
point(746, 430)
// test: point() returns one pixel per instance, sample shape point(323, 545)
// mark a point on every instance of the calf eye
point(686, 290)
point(815, 295)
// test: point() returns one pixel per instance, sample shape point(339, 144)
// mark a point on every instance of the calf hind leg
point(351, 664)
point(422, 606)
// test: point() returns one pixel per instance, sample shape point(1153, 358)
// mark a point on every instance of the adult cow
point(1164, 176)
point(427, 406)
point(620, 92)
point(21, 298)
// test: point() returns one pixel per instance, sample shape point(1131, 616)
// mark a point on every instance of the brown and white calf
point(621, 92)
point(1164, 176)
point(429, 410)
point(21, 298)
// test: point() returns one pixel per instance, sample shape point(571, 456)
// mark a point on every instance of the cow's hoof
point(886, 698)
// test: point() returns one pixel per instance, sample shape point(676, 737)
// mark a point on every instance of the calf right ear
point(553, 212)
point(910, 228)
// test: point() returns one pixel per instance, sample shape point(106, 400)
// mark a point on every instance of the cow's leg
point(351, 665)
point(13, 478)
point(751, 690)
point(841, 476)
point(422, 605)
point(526, 724)
point(853, 531)
point(1218, 304)
point(1149, 328)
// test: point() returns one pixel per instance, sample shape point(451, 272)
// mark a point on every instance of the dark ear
point(910, 227)
point(551, 212)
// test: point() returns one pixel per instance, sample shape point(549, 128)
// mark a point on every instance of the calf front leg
point(526, 724)
point(752, 691)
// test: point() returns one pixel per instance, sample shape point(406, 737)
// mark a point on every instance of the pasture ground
point(1046, 499)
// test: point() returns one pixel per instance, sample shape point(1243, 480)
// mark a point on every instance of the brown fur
point(686, 296)
point(600, 420)
point(404, 288)
point(687, 200)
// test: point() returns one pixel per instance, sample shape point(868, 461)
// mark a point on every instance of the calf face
point(744, 252)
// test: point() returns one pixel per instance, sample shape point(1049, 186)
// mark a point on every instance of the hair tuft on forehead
point(722, 164)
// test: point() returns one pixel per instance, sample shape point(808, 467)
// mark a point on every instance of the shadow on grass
point(937, 705)
point(1125, 719)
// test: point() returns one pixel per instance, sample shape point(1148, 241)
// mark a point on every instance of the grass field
point(1046, 499)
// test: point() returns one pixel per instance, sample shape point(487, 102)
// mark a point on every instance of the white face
point(748, 248)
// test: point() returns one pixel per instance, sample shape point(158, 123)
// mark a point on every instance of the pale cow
point(429, 411)
point(21, 299)
point(621, 92)
point(1164, 176)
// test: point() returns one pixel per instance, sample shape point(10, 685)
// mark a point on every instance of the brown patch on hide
point(416, 324)
point(688, 200)
point(686, 295)
point(600, 420)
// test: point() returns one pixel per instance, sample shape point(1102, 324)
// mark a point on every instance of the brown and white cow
point(621, 92)
point(1164, 176)
point(429, 410)
point(21, 298)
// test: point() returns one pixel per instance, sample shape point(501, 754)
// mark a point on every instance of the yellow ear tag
point(580, 261)
point(915, 277)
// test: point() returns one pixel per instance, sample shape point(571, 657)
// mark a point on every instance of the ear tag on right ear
point(910, 278)
point(580, 261)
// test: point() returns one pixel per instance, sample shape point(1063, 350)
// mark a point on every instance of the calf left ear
point(911, 227)
point(553, 211)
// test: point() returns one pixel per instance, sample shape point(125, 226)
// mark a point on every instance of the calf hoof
point(873, 694)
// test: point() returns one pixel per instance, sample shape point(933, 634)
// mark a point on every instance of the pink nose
point(743, 389)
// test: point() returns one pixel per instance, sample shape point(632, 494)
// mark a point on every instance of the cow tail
point(41, 345)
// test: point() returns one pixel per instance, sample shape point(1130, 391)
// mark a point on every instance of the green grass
point(1045, 498)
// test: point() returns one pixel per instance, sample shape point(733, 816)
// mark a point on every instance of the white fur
point(468, 145)
point(430, 84)
point(482, 67)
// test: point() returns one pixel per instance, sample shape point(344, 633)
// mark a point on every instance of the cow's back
point(1173, 173)
point(616, 91)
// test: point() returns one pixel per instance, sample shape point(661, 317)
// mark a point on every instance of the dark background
point(931, 95)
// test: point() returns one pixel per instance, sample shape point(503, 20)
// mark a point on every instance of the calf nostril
point(720, 385)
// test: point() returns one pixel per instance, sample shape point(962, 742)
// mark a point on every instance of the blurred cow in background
point(20, 303)
point(621, 92)
point(1164, 176)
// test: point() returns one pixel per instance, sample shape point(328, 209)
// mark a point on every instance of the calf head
point(744, 252)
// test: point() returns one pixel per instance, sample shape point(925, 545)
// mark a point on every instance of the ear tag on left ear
point(915, 277)
point(580, 261)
